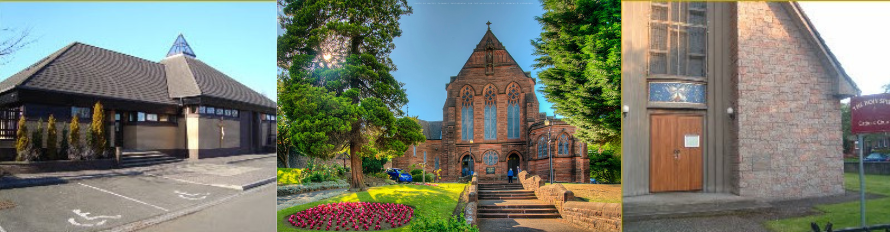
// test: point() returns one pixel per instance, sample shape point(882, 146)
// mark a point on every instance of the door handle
point(676, 154)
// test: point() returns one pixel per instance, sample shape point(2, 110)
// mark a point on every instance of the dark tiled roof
point(214, 83)
point(431, 129)
point(83, 69)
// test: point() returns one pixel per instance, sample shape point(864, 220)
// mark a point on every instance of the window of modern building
point(151, 117)
point(491, 115)
point(467, 114)
point(9, 119)
point(140, 117)
point(81, 112)
point(678, 39)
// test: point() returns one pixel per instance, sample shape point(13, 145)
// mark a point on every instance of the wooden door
point(676, 153)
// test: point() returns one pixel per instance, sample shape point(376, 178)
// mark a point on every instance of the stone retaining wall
point(871, 168)
point(593, 216)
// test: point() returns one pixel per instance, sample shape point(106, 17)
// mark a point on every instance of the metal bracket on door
point(676, 154)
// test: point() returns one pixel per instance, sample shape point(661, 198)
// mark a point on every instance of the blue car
point(877, 157)
point(397, 175)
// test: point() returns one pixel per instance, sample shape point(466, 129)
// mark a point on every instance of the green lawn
point(427, 200)
point(845, 214)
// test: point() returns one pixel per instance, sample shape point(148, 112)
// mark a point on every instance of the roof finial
point(489, 25)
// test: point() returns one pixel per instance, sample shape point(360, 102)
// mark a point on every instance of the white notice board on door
point(691, 140)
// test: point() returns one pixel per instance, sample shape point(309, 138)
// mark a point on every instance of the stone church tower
point(490, 114)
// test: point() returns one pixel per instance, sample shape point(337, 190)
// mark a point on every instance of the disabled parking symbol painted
point(191, 196)
point(86, 217)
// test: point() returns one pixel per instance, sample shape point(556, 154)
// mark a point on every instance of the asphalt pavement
point(116, 202)
point(250, 212)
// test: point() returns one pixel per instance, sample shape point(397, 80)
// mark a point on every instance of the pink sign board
point(870, 113)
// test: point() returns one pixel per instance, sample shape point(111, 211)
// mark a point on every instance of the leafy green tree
point(52, 151)
point(338, 94)
point(580, 54)
point(605, 164)
point(886, 88)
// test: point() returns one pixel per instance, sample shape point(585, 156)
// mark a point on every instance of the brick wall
point(592, 216)
point(789, 138)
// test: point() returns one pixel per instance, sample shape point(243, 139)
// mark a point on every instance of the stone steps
point(146, 158)
point(516, 194)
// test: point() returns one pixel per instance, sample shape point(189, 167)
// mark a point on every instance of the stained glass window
point(491, 128)
point(674, 92)
point(466, 114)
point(490, 158)
point(563, 145)
point(543, 147)
point(513, 111)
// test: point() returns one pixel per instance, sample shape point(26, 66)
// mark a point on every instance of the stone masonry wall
point(591, 216)
point(789, 138)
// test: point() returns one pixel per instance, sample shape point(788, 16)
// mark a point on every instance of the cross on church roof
point(489, 25)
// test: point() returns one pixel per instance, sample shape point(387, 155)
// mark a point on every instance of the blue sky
point(439, 37)
point(853, 31)
point(237, 38)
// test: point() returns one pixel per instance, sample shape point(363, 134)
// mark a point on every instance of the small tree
point(96, 138)
point(52, 152)
point(74, 149)
point(37, 139)
point(63, 145)
point(22, 145)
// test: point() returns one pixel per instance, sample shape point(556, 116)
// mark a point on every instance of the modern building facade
point(740, 98)
point(179, 106)
point(491, 124)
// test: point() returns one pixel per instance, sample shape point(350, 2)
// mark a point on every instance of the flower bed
point(353, 216)
point(310, 187)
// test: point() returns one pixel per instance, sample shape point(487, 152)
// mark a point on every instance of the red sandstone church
point(491, 123)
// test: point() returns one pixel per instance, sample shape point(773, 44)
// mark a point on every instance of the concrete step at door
point(146, 158)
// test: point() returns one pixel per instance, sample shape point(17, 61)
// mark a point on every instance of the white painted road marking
point(86, 216)
point(125, 197)
point(191, 196)
point(1, 229)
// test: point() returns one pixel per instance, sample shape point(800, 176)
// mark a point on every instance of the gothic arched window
point(513, 111)
point(490, 158)
point(491, 115)
point(563, 144)
point(543, 147)
point(466, 113)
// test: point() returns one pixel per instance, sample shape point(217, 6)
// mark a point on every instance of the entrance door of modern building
point(513, 162)
point(467, 166)
point(675, 162)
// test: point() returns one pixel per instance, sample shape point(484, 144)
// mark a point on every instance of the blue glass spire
point(181, 47)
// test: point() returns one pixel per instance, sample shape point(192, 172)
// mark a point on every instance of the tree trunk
point(358, 183)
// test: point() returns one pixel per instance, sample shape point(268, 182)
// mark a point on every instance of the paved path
point(251, 212)
point(303, 198)
point(747, 221)
point(520, 224)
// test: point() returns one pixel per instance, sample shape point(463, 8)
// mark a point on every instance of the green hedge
point(419, 177)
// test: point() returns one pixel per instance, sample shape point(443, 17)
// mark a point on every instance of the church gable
point(489, 54)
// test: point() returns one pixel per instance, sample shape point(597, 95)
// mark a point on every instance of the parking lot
point(105, 203)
